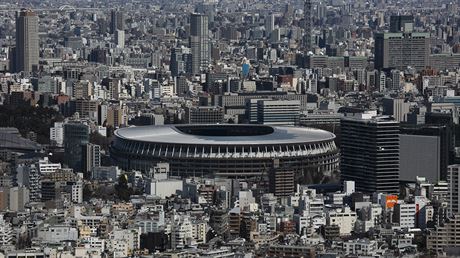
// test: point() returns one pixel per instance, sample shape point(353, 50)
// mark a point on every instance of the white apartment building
point(6, 232)
point(164, 188)
point(94, 243)
point(360, 247)
point(57, 134)
point(181, 232)
point(124, 241)
point(77, 193)
point(199, 231)
point(404, 214)
point(44, 166)
point(57, 234)
point(344, 218)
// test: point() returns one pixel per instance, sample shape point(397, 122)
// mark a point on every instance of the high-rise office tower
point(208, 9)
point(401, 50)
point(199, 42)
point(176, 65)
point(91, 158)
point(370, 153)
point(120, 38)
point(308, 21)
point(453, 179)
point(76, 136)
point(27, 43)
point(117, 21)
point(269, 24)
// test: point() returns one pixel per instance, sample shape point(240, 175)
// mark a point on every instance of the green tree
point(30, 119)
point(122, 189)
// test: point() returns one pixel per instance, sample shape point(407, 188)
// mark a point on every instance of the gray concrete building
point(420, 155)
point(278, 112)
point(402, 50)
point(445, 236)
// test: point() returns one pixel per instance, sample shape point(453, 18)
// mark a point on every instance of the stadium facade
point(231, 151)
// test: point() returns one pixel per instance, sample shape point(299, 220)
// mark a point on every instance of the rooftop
point(224, 134)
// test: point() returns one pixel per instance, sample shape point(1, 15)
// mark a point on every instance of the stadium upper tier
point(223, 134)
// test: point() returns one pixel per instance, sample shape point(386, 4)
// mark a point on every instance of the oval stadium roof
point(224, 134)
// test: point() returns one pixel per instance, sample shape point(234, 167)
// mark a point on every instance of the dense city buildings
point(208, 128)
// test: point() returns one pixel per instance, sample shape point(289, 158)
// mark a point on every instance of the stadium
point(231, 151)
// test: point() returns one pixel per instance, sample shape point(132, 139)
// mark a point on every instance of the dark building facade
point(117, 21)
point(76, 137)
point(281, 182)
point(180, 61)
point(27, 41)
point(204, 115)
point(444, 133)
point(370, 154)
